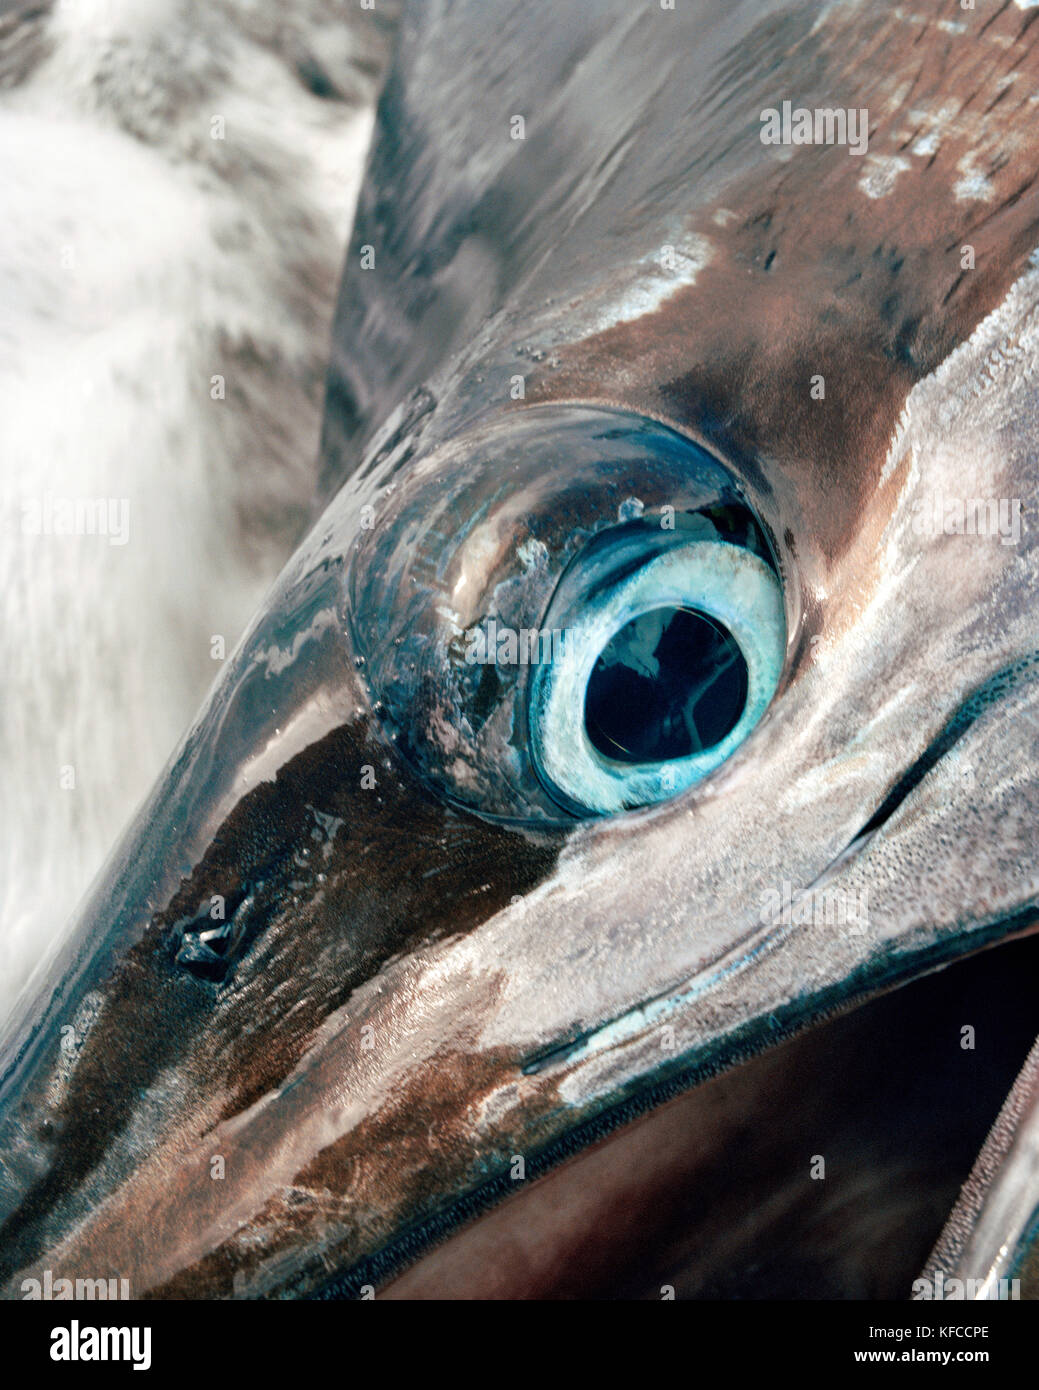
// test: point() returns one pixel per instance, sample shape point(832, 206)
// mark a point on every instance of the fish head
point(399, 931)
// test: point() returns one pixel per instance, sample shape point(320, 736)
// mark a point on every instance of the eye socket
point(663, 672)
point(566, 612)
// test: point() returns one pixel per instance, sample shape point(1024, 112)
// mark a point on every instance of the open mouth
point(823, 1168)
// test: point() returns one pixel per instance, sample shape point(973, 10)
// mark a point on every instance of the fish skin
point(538, 1025)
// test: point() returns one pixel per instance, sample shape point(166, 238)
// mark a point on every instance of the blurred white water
point(178, 184)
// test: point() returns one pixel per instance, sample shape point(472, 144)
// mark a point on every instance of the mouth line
point(423, 1241)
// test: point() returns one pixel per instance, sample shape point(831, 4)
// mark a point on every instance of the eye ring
point(725, 583)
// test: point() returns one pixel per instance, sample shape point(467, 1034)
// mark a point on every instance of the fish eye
point(568, 612)
point(661, 673)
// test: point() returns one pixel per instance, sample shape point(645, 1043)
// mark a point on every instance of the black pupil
point(670, 683)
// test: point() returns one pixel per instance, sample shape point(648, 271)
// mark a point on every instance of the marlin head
point(429, 902)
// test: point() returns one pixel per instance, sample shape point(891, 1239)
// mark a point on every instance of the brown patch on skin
point(318, 941)
point(811, 276)
point(712, 1193)
point(340, 1202)
point(379, 899)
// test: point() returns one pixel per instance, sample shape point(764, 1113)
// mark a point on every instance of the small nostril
point(207, 945)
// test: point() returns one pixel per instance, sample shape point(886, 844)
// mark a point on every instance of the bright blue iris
point(669, 668)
